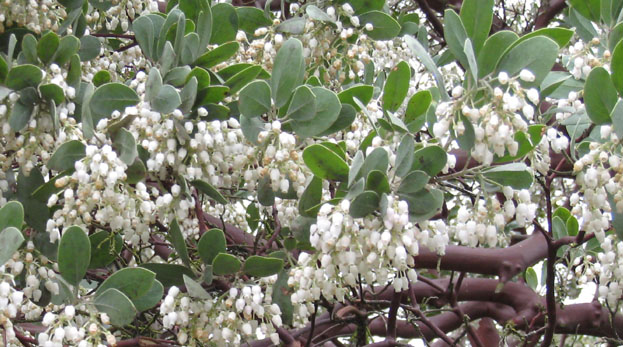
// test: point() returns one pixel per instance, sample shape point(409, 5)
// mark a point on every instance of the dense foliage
point(209, 173)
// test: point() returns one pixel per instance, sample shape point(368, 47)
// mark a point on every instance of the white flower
point(526, 75)
point(503, 77)
point(369, 27)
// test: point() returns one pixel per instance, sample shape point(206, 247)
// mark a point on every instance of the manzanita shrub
point(208, 174)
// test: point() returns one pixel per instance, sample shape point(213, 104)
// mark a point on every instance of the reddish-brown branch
point(431, 16)
point(502, 262)
point(548, 12)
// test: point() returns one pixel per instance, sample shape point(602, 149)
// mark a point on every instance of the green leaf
point(117, 306)
point(190, 8)
point(66, 155)
point(188, 96)
point(23, 76)
point(20, 115)
point(328, 109)
point(531, 278)
point(104, 248)
point(202, 76)
point(617, 118)
point(431, 160)
point(317, 14)
point(177, 76)
point(536, 54)
point(251, 127)
point(265, 194)
point(324, 163)
point(242, 78)
point(587, 8)
point(404, 155)
point(252, 18)
point(47, 46)
point(136, 172)
point(167, 100)
point(288, 69)
point(71, 4)
point(471, 59)
point(169, 274)
point(153, 84)
point(616, 67)
point(295, 26)
point(254, 99)
point(67, 47)
point(212, 94)
point(112, 97)
point(377, 181)
point(378, 159)
point(90, 47)
point(303, 104)
point(225, 264)
point(29, 49)
point(145, 29)
point(217, 55)
point(258, 266)
point(207, 189)
point(179, 243)
point(600, 95)
point(4, 70)
point(204, 28)
point(309, 202)
point(225, 23)
point(195, 290)
point(455, 35)
point(211, 243)
point(477, 16)
point(362, 92)
point(515, 175)
point(125, 146)
point(10, 239)
point(74, 255)
point(413, 182)
point(74, 75)
point(559, 228)
point(131, 281)
point(11, 215)
point(423, 204)
point(344, 119)
point(418, 105)
point(561, 36)
point(396, 86)
point(52, 92)
point(492, 51)
point(384, 26)
point(428, 62)
point(151, 298)
point(364, 204)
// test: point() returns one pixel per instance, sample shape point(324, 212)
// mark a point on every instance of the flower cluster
point(241, 314)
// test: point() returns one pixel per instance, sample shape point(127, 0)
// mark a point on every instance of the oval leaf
point(117, 306)
point(133, 282)
point(600, 96)
point(10, 239)
point(74, 255)
point(396, 86)
point(211, 243)
point(324, 163)
point(262, 266)
point(225, 264)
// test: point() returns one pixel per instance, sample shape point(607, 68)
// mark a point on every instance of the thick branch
point(548, 13)
point(502, 262)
